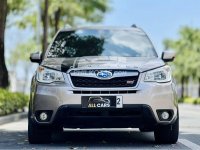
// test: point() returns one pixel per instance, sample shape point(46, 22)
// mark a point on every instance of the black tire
point(38, 134)
point(167, 134)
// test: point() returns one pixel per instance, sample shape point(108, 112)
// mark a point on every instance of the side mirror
point(35, 57)
point(168, 56)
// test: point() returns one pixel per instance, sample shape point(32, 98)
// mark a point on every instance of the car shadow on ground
point(105, 138)
point(86, 140)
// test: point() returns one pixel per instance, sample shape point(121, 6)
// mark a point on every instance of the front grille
point(91, 82)
point(106, 92)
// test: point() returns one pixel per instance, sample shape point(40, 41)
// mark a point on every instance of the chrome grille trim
point(93, 73)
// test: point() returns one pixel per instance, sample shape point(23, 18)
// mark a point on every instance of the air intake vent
point(106, 92)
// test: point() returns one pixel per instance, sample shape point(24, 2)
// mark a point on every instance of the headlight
point(48, 76)
point(162, 74)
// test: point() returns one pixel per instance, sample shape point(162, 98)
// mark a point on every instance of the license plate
point(102, 101)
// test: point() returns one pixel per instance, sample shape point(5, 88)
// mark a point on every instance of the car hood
point(103, 62)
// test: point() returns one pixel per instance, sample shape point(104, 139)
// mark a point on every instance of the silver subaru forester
point(102, 77)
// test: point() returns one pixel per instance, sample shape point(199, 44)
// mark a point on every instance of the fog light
point(43, 116)
point(165, 115)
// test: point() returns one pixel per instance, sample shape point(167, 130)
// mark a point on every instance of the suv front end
point(102, 91)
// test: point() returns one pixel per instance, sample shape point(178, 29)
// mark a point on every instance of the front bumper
point(151, 96)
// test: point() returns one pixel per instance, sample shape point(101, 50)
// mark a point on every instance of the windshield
point(98, 42)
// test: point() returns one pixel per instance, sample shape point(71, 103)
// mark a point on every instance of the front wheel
point(167, 133)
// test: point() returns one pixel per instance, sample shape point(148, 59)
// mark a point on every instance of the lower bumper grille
point(102, 112)
point(135, 116)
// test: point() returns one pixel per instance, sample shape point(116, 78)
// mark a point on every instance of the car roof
point(133, 28)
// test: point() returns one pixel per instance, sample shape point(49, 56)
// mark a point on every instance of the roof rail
point(134, 26)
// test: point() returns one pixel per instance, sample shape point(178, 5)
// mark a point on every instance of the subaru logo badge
point(104, 74)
